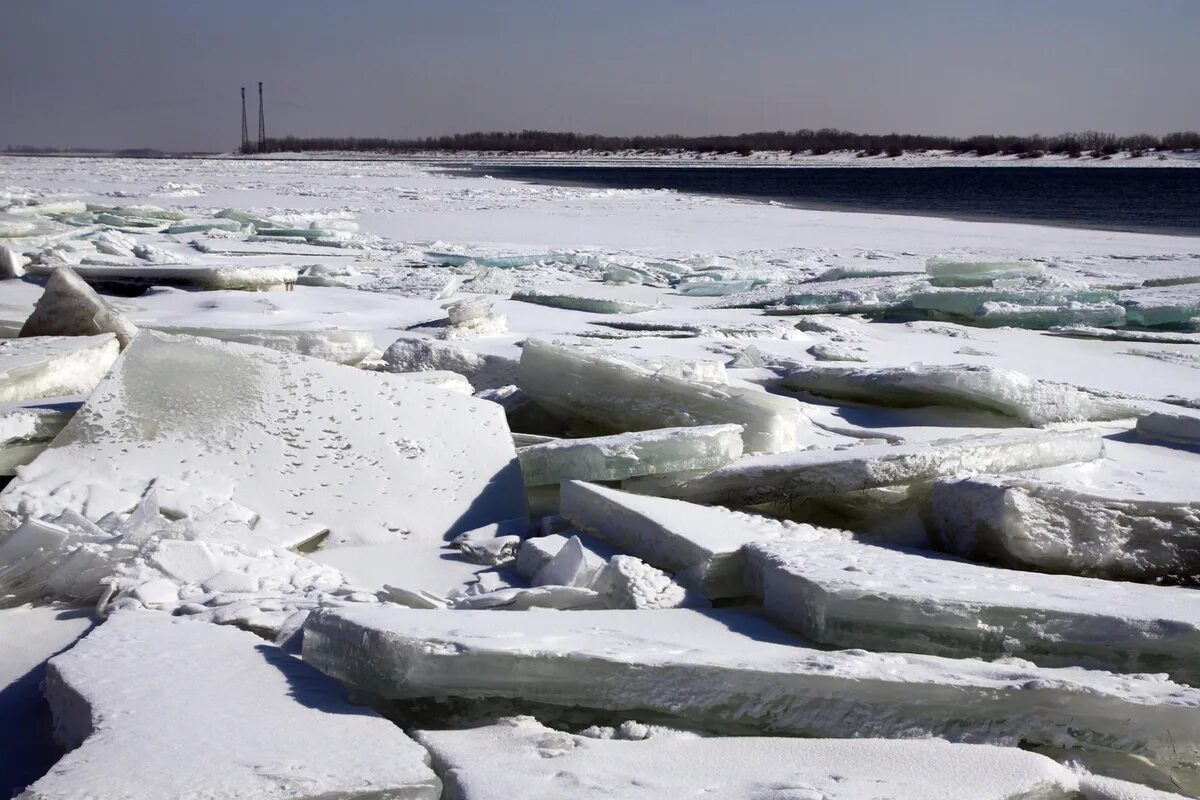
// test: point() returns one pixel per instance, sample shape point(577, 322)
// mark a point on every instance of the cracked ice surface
point(297, 446)
point(240, 719)
point(724, 669)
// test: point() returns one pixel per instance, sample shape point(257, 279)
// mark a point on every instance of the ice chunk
point(12, 265)
point(967, 302)
point(520, 757)
point(620, 395)
point(339, 346)
point(628, 582)
point(233, 247)
point(421, 355)
point(946, 272)
point(54, 366)
point(309, 446)
point(595, 305)
point(69, 307)
point(609, 458)
point(1154, 311)
point(1005, 391)
point(442, 379)
point(1158, 337)
point(201, 225)
point(1181, 428)
point(249, 719)
point(537, 552)
point(701, 545)
point(27, 431)
point(701, 288)
point(845, 593)
point(244, 217)
point(729, 668)
point(829, 473)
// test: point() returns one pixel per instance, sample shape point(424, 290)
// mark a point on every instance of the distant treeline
point(816, 142)
point(139, 152)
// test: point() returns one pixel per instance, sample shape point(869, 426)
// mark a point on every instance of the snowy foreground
point(356, 479)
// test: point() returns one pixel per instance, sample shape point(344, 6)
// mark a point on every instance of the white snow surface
point(154, 707)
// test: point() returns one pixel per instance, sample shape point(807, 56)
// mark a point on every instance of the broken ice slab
point(573, 302)
point(946, 272)
point(339, 346)
point(1005, 391)
point(714, 288)
point(305, 445)
point(202, 225)
point(732, 670)
point(249, 721)
point(966, 302)
point(846, 593)
point(54, 366)
point(854, 296)
point(1133, 515)
point(830, 473)
point(308, 234)
point(702, 545)
point(442, 379)
point(245, 218)
point(501, 262)
point(412, 354)
point(1156, 337)
point(996, 315)
point(1179, 428)
point(620, 395)
point(611, 458)
point(535, 553)
point(233, 247)
point(223, 277)
point(69, 307)
point(520, 757)
point(25, 431)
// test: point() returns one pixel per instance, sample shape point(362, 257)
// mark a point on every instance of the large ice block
point(422, 355)
point(25, 431)
point(947, 272)
point(846, 593)
point(152, 707)
point(69, 307)
point(520, 757)
point(702, 545)
point(622, 395)
point(339, 346)
point(1179, 427)
point(1004, 391)
point(967, 302)
point(305, 445)
point(828, 473)
point(996, 315)
point(611, 458)
point(54, 366)
point(730, 670)
point(215, 277)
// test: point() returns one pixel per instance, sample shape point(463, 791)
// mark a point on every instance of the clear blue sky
point(166, 73)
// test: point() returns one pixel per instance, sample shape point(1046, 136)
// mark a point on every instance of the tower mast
point(245, 130)
point(262, 122)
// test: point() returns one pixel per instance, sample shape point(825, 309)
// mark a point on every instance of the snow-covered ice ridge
point(488, 454)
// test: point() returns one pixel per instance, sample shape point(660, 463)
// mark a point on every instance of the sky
point(166, 73)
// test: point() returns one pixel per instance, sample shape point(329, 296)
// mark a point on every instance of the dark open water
point(1160, 200)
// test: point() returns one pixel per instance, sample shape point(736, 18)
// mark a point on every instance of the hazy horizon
point(134, 73)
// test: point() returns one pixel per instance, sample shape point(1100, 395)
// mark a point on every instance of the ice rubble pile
point(220, 476)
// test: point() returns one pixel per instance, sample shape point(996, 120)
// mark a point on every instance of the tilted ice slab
point(520, 757)
point(702, 545)
point(54, 366)
point(727, 669)
point(339, 346)
point(223, 277)
point(69, 307)
point(846, 593)
point(572, 302)
point(306, 446)
point(610, 458)
point(623, 395)
point(421, 355)
point(153, 707)
point(826, 473)
point(1133, 515)
point(995, 315)
point(1005, 391)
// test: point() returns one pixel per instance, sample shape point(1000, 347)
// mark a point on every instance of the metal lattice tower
point(245, 130)
point(262, 122)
